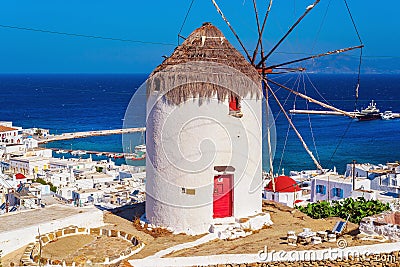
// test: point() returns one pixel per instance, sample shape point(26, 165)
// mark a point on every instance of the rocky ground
point(381, 260)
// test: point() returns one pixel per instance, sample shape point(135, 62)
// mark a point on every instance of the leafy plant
point(357, 209)
point(52, 187)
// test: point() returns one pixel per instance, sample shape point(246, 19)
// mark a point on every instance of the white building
point(285, 191)
point(382, 177)
point(336, 187)
point(29, 166)
point(62, 178)
point(86, 196)
point(204, 136)
point(30, 143)
point(10, 135)
point(37, 132)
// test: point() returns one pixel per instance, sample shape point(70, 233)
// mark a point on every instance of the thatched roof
point(205, 65)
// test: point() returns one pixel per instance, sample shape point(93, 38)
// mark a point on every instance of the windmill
point(260, 55)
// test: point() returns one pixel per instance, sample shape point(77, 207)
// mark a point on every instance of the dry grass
point(12, 259)
point(154, 232)
point(65, 246)
point(154, 242)
point(204, 80)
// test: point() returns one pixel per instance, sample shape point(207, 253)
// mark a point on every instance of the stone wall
point(386, 224)
point(391, 259)
point(31, 255)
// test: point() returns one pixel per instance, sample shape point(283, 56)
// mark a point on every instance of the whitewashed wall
point(184, 143)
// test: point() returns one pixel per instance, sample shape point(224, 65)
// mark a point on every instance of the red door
point(223, 196)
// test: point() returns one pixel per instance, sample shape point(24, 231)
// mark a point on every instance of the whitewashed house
point(204, 136)
point(285, 190)
point(30, 143)
point(87, 196)
point(336, 187)
point(9, 134)
point(383, 177)
point(29, 166)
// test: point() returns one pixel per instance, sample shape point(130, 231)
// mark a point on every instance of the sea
point(83, 102)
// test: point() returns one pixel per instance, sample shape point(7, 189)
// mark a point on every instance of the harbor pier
point(76, 135)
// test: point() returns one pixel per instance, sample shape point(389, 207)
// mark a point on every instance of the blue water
point(79, 102)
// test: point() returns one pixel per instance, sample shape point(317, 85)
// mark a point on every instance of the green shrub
point(357, 209)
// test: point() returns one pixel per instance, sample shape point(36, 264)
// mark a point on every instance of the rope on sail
point(293, 127)
point(231, 28)
point(361, 53)
point(288, 129)
point(357, 85)
point(320, 26)
point(297, 81)
point(309, 122)
point(184, 21)
point(315, 88)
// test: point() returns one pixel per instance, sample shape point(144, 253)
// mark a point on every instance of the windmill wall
point(184, 145)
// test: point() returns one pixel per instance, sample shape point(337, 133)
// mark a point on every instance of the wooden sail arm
point(295, 130)
point(260, 31)
point(231, 28)
point(338, 51)
point(308, 9)
point(313, 100)
point(281, 70)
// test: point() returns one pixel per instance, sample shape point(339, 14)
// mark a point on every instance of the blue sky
point(159, 21)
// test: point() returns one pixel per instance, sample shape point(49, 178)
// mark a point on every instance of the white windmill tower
point(204, 135)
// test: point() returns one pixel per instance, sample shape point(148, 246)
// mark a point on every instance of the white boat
point(78, 153)
point(387, 115)
point(140, 148)
point(369, 113)
point(61, 151)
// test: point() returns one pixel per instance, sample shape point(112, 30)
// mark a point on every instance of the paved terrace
point(18, 229)
point(17, 220)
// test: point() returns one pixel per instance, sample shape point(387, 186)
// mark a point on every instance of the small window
point(321, 189)
point(234, 106)
point(337, 192)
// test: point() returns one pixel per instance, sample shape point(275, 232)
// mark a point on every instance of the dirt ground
point(13, 257)
point(274, 237)
point(65, 246)
point(122, 220)
point(285, 219)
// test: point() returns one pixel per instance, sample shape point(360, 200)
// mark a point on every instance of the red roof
point(6, 129)
point(20, 176)
point(283, 184)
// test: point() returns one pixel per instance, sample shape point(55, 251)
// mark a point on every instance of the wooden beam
point(260, 32)
point(295, 130)
point(230, 27)
point(338, 51)
point(313, 100)
point(308, 9)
